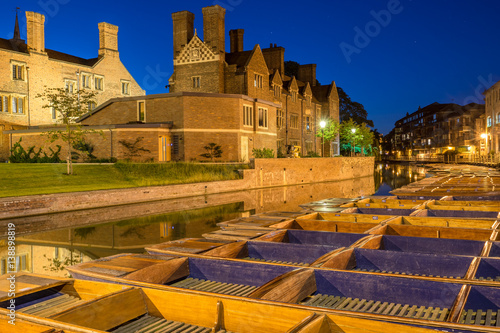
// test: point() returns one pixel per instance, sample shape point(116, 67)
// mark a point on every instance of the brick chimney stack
point(236, 36)
point(108, 39)
point(307, 73)
point(183, 30)
point(214, 34)
point(36, 31)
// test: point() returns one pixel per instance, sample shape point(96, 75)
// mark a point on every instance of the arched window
point(488, 122)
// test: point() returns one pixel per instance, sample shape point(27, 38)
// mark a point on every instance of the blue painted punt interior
point(247, 273)
point(33, 298)
point(387, 288)
point(412, 263)
point(483, 298)
point(384, 211)
point(495, 249)
point(297, 253)
point(433, 245)
point(336, 239)
point(489, 268)
point(457, 213)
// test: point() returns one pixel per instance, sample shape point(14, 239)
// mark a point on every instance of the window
point(125, 88)
point(308, 124)
point(14, 105)
point(17, 72)
point(294, 121)
point(257, 81)
point(141, 111)
point(498, 118)
point(277, 91)
point(247, 115)
point(20, 105)
point(4, 104)
point(16, 264)
point(262, 117)
point(91, 106)
point(488, 122)
point(196, 81)
point(53, 112)
point(429, 142)
point(98, 83)
point(85, 81)
point(70, 86)
point(280, 119)
point(294, 96)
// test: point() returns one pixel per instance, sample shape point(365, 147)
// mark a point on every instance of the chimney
point(214, 29)
point(183, 30)
point(275, 59)
point(236, 40)
point(36, 31)
point(307, 73)
point(108, 39)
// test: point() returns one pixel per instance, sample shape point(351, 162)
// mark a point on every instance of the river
point(80, 236)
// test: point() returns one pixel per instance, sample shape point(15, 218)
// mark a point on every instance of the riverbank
point(265, 173)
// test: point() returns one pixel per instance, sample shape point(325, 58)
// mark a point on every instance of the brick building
point(27, 67)
point(239, 99)
point(438, 128)
point(492, 115)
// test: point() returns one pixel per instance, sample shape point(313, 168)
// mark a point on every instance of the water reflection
point(388, 177)
point(64, 239)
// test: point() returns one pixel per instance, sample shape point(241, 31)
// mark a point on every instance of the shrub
point(263, 153)
point(19, 155)
point(213, 151)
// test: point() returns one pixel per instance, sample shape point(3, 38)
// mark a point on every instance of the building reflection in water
point(65, 239)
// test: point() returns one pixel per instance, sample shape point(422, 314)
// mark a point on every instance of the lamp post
point(322, 124)
point(353, 130)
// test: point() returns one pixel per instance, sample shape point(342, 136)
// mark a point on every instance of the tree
point(350, 109)
point(69, 107)
point(328, 133)
point(291, 68)
point(349, 131)
point(213, 151)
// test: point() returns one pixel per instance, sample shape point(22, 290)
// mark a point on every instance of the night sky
point(391, 56)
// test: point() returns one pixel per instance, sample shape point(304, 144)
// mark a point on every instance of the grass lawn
point(30, 179)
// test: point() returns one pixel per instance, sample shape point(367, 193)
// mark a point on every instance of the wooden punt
point(152, 310)
point(426, 245)
point(491, 206)
point(470, 214)
point(480, 306)
point(331, 202)
point(343, 217)
point(272, 252)
point(386, 203)
point(453, 222)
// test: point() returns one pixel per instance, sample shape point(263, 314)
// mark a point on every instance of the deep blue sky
point(430, 51)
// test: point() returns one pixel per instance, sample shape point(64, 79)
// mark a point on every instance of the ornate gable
point(257, 62)
point(195, 52)
point(293, 85)
point(307, 90)
point(276, 79)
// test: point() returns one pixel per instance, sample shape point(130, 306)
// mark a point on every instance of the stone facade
point(27, 68)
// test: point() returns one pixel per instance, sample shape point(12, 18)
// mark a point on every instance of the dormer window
point(277, 91)
point(258, 81)
point(294, 96)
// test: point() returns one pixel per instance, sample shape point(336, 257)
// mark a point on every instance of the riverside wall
point(267, 173)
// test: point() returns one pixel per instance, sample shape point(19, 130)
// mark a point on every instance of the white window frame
point(86, 78)
point(125, 84)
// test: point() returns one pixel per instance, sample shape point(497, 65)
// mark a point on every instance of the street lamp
point(353, 130)
point(322, 124)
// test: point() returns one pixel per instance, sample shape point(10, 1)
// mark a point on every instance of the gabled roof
point(239, 59)
point(276, 78)
point(257, 59)
point(324, 93)
point(56, 55)
point(204, 53)
point(11, 45)
point(293, 85)
point(307, 90)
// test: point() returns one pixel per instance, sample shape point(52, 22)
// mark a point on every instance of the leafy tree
point(352, 110)
point(133, 148)
point(291, 68)
point(213, 151)
point(353, 135)
point(69, 107)
point(328, 133)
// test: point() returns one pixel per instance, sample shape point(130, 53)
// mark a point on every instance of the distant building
point(27, 68)
point(438, 128)
point(492, 118)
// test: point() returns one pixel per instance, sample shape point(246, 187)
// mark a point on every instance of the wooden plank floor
point(480, 317)
point(278, 262)
point(215, 287)
point(403, 273)
point(48, 307)
point(377, 307)
point(149, 324)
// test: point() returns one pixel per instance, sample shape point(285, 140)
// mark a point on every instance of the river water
point(95, 233)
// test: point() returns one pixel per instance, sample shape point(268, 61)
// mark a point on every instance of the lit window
point(488, 122)
point(308, 124)
point(262, 117)
point(98, 83)
point(247, 115)
point(126, 88)
point(141, 111)
point(196, 82)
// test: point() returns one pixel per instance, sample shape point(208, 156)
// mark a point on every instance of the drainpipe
point(28, 82)
point(286, 122)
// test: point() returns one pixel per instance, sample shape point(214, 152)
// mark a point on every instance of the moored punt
point(151, 310)
point(445, 222)
point(422, 212)
point(413, 301)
